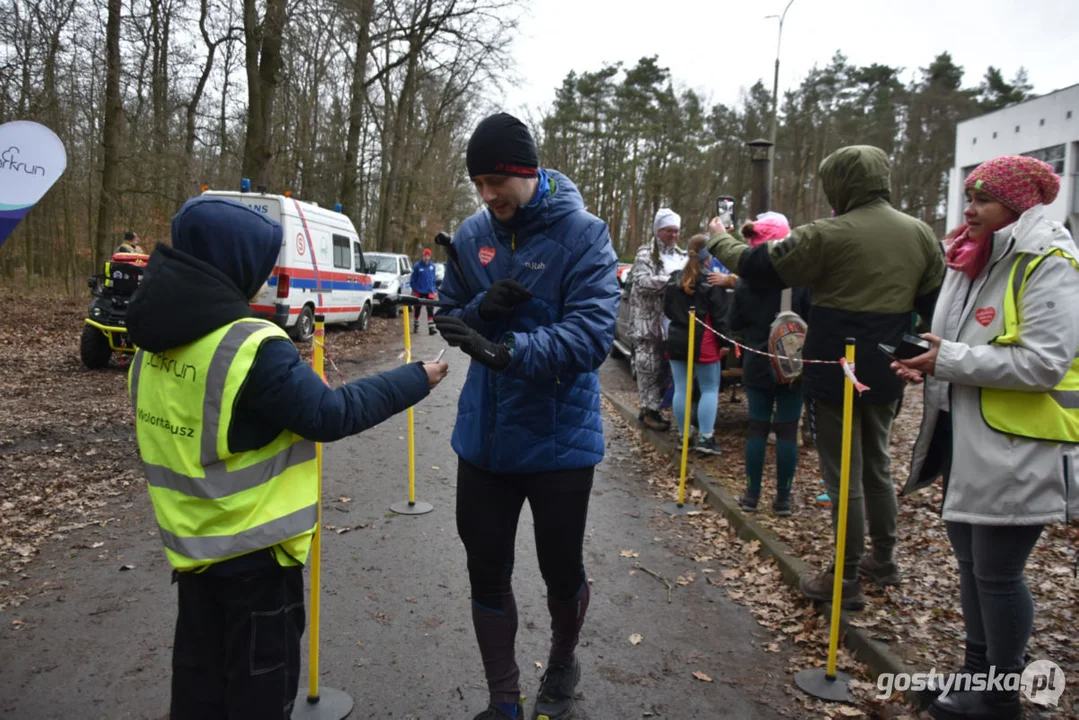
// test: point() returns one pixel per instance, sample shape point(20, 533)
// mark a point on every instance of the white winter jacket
point(996, 478)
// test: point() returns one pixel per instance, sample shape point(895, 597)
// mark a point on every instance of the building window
point(342, 252)
point(1069, 115)
point(1041, 122)
point(974, 142)
point(1017, 128)
point(1053, 155)
point(994, 134)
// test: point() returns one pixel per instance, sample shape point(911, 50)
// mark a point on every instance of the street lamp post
point(760, 153)
point(775, 96)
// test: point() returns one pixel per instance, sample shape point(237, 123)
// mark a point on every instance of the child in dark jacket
point(695, 286)
point(772, 406)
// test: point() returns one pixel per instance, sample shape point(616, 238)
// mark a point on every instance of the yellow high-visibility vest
point(1053, 415)
point(213, 504)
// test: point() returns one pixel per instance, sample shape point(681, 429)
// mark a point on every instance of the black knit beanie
point(502, 145)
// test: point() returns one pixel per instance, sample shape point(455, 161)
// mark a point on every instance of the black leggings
point(488, 508)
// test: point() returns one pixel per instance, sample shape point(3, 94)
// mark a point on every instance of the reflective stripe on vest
point(1052, 415)
point(210, 503)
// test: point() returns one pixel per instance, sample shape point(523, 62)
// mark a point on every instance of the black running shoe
point(493, 712)
point(557, 686)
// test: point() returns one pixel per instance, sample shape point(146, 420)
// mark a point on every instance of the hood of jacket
point(222, 252)
point(854, 176)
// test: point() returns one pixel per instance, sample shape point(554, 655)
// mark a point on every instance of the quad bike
point(105, 329)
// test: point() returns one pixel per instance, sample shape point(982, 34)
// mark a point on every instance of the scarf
point(967, 254)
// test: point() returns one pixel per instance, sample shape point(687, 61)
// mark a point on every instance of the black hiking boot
point(554, 701)
point(652, 419)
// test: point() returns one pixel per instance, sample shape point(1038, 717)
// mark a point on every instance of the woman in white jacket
point(1001, 418)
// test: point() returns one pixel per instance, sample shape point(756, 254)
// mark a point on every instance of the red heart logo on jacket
point(985, 315)
point(487, 254)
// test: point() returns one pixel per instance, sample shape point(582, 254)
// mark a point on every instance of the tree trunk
point(264, 63)
point(388, 200)
point(355, 110)
point(110, 134)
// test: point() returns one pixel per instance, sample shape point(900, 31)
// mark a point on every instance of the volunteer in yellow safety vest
point(227, 415)
point(1001, 419)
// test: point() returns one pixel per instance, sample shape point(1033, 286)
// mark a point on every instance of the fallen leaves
point(701, 676)
point(921, 620)
point(635, 639)
point(629, 554)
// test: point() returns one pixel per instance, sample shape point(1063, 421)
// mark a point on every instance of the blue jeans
point(707, 378)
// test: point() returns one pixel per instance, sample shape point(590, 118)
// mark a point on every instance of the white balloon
point(32, 158)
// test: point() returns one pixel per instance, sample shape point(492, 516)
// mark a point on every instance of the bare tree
point(110, 133)
point(263, 55)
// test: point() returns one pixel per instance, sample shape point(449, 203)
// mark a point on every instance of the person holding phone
point(867, 269)
point(227, 438)
point(773, 406)
point(536, 280)
point(1000, 421)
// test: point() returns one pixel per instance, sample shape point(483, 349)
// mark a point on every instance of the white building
point(1046, 127)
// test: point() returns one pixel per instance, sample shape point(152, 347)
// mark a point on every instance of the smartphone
point(910, 346)
point(725, 209)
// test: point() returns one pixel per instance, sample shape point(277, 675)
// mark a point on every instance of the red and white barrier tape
point(848, 368)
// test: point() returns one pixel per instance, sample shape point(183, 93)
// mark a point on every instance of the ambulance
point(320, 269)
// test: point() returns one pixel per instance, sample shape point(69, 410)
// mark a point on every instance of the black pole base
point(673, 508)
point(330, 704)
point(816, 683)
point(406, 508)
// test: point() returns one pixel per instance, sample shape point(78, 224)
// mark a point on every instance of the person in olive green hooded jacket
point(869, 267)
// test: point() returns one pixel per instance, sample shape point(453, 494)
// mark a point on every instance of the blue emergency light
point(337, 207)
point(245, 185)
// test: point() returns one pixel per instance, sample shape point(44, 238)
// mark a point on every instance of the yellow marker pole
point(841, 528)
point(323, 703)
point(411, 507)
point(829, 683)
point(317, 364)
point(678, 508)
point(411, 419)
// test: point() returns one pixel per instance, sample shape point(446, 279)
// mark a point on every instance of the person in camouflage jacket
point(652, 267)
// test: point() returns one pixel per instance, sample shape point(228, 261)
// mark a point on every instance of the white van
point(392, 274)
point(320, 269)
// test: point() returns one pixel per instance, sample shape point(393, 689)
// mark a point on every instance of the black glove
point(458, 334)
point(501, 298)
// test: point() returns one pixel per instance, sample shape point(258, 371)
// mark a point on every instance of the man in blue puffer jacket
point(535, 276)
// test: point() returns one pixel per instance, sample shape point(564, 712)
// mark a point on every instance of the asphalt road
point(94, 641)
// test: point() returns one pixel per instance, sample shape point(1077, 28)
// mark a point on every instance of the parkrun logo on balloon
point(9, 160)
point(32, 158)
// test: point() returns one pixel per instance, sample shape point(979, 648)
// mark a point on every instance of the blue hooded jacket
point(542, 413)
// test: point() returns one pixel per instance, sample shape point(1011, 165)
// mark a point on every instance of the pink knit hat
point(1018, 182)
point(769, 226)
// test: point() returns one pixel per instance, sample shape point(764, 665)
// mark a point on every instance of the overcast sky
point(720, 47)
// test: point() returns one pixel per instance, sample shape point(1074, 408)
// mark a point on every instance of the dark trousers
point(488, 508)
point(872, 493)
point(430, 309)
point(237, 649)
point(998, 611)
